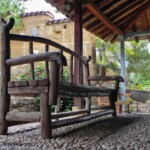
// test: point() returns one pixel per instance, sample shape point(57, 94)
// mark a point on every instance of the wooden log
point(46, 63)
point(67, 114)
point(86, 71)
point(71, 69)
point(17, 83)
point(43, 82)
point(11, 84)
point(33, 82)
point(67, 122)
point(112, 100)
point(53, 91)
point(45, 41)
point(100, 107)
point(82, 88)
point(5, 74)
point(31, 64)
point(45, 109)
point(23, 116)
point(106, 78)
point(88, 104)
point(82, 94)
point(28, 90)
point(50, 56)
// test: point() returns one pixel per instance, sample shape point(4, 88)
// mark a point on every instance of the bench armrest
point(48, 56)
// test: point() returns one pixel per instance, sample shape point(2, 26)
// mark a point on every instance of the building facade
point(43, 24)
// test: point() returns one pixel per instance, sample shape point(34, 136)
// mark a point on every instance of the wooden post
point(123, 70)
point(47, 63)
point(45, 109)
point(78, 70)
point(53, 94)
point(5, 74)
point(112, 97)
point(71, 69)
point(32, 64)
point(87, 82)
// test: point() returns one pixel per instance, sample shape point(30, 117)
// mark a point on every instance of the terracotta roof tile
point(37, 13)
point(56, 21)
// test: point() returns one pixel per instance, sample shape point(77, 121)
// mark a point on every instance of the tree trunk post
point(45, 109)
point(5, 74)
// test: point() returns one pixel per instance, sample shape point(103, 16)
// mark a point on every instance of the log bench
point(51, 88)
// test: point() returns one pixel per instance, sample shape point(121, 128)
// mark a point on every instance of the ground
point(126, 132)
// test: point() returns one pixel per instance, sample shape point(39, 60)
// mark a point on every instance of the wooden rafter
point(146, 25)
point(116, 16)
point(58, 2)
point(91, 7)
point(113, 15)
point(141, 11)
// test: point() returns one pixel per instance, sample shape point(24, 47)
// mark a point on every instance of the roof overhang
point(112, 18)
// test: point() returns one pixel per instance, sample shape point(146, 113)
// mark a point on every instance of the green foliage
point(137, 55)
point(65, 75)
point(66, 104)
point(22, 73)
point(12, 8)
point(108, 54)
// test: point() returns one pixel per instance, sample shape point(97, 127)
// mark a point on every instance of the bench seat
point(34, 87)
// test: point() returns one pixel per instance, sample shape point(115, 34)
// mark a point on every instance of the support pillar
point(78, 37)
point(122, 70)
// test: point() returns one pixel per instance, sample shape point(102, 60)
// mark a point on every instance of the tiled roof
point(37, 13)
point(108, 19)
point(56, 21)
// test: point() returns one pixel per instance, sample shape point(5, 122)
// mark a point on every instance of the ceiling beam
point(58, 2)
point(137, 33)
point(145, 22)
point(141, 11)
point(102, 17)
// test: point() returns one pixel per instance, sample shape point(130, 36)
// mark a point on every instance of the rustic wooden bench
point(49, 89)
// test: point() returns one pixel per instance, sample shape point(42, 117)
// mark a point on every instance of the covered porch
point(95, 16)
point(112, 21)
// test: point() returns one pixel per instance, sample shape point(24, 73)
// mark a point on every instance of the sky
point(41, 5)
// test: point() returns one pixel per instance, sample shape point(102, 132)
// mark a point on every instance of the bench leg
point(45, 109)
point(88, 105)
point(112, 97)
point(4, 108)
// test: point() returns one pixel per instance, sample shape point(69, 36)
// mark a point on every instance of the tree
point(137, 55)
point(12, 8)
point(108, 54)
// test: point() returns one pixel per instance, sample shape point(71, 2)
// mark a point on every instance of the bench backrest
point(8, 37)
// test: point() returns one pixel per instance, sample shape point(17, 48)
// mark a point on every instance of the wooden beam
point(141, 11)
point(57, 3)
point(71, 121)
point(78, 47)
point(78, 37)
point(145, 22)
point(102, 17)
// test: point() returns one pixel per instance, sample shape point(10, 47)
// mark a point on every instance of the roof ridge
point(35, 13)
point(55, 21)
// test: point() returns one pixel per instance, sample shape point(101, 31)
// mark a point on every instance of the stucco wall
point(63, 33)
